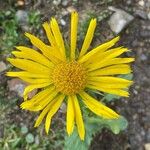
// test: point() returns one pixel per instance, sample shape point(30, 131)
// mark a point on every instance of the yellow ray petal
point(36, 81)
point(78, 118)
point(40, 100)
point(97, 107)
point(58, 37)
point(37, 43)
point(29, 65)
point(49, 34)
point(42, 115)
point(70, 115)
point(117, 91)
point(74, 26)
point(98, 50)
point(55, 104)
point(32, 87)
point(88, 37)
point(108, 85)
point(111, 70)
point(28, 75)
point(37, 106)
point(115, 61)
point(108, 79)
point(46, 50)
point(29, 53)
point(110, 54)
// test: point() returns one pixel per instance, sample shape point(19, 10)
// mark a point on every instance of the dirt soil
point(136, 37)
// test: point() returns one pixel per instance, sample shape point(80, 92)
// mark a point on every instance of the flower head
point(60, 76)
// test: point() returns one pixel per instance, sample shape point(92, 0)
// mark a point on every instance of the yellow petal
point(46, 50)
point(88, 37)
point(112, 85)
point(97, 107)
point(43, 97)
point(115, 61)
point(111, 70)
point(32, 87)
point(114, 91)
point(70, 115)
point(36, 81)
point(108, 85)
point(55, 104)
point(37, 106)
point(78, 118)
point(29, 66)
point(37, 43)
point(42, 115)
point(58, 37)
point(98, 50)
point(110, 54)
point(74, 26)
point(49, 34)
point(108, 79)
point(29, 53)
point(27, 75)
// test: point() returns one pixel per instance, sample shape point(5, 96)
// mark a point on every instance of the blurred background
point(128, 18)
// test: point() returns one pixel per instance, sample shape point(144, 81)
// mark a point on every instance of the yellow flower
point(61, 76)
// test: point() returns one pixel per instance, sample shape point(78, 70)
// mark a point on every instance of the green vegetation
point(11, 29)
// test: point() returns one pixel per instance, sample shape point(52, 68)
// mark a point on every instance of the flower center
point(69, 78)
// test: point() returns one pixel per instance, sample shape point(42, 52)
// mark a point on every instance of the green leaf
point(127, 76)
point(117, 125)
point(111, 97)
point(92, 126)
point(73, 141)
point(30, 138)
point(24, 129)
point(16, 142)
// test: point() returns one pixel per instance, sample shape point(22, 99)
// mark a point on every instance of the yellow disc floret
point(69, 78)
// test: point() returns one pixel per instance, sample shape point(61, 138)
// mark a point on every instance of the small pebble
point(56, 2)
point(22, 17)
point(63, 22)
point(141, 3)
point(20, 3)
point(65, 2)
point(3, 66)
point(147, 146)
point(71, 9)
point(18, 86)
point(148, 15)
point(143, 57)
point(119, 20)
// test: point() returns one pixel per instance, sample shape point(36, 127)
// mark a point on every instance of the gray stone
point(119, 20)
point(63, 108)
point(22, 17)
point(56, 2)
point(71, 9)
point(148, 15)
point(18, 86)
point(141, 3)
point(65, 2)
point(3, 66)
point(142, 14)
point(143, 57)
point(63, 22)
